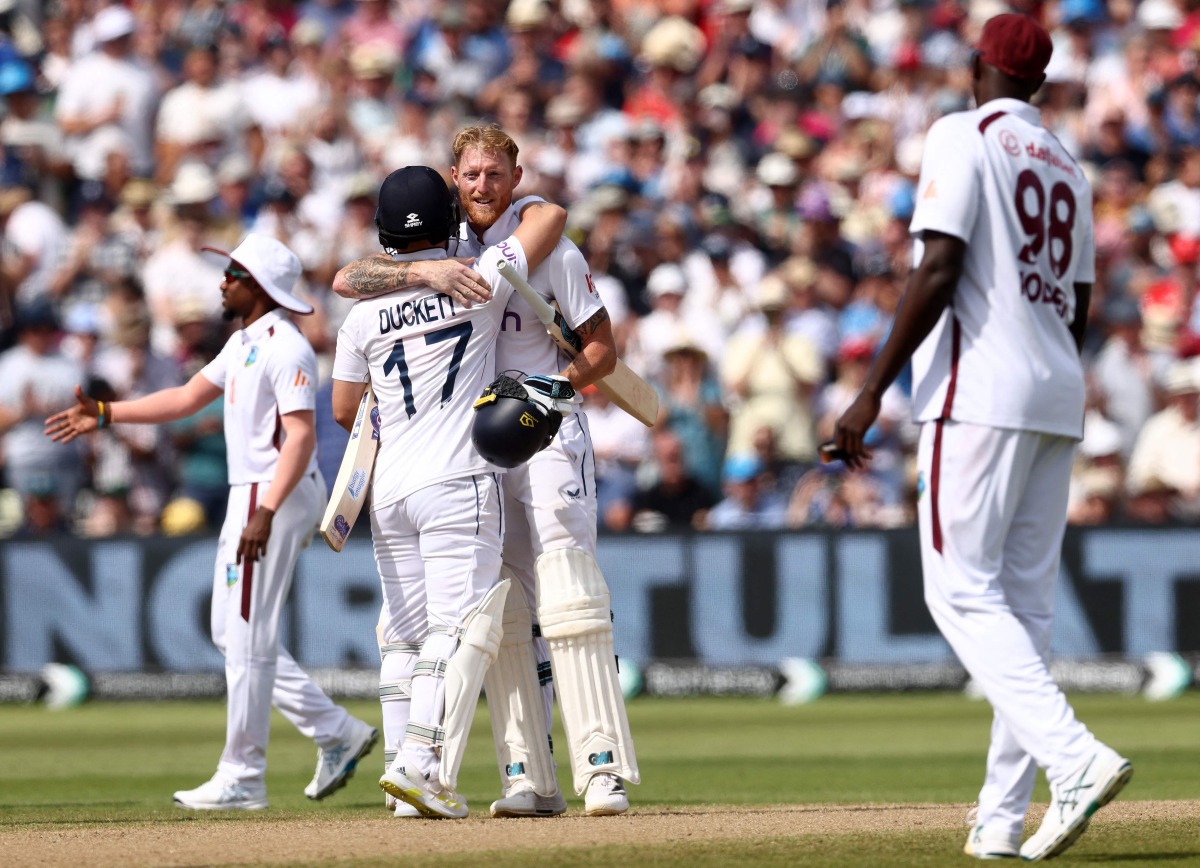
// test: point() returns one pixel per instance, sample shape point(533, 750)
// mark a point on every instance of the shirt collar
point(262, 325)
point(421, 255)
point(1020, 108)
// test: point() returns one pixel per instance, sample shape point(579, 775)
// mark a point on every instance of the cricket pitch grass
point(845, 781)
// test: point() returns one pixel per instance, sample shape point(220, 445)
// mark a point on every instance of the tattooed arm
point(599, 354)
point(379, 274)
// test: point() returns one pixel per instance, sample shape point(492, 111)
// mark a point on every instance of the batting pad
point(481, 632)
point(573, 609)
point(515, 701)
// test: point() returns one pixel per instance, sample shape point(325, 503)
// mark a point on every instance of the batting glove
point(554, 392)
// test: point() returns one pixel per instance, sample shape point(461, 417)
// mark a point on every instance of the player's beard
point(228, 314)
point(482, 217)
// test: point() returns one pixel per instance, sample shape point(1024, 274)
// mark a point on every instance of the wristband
point(100, 414)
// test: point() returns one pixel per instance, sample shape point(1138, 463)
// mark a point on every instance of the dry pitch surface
point(195, 841)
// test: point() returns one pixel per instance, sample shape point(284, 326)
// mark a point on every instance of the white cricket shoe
point(429, 799)
point(336, 764)
point(222, 794)
point(984, 843)
point(522, 801)
point(404, 809)
point(605, 796)
point(1088, 789)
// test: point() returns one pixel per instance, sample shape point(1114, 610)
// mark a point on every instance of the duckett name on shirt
point(1037, 290)
point(428, 308)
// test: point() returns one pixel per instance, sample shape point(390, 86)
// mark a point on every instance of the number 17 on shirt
point(354, 476)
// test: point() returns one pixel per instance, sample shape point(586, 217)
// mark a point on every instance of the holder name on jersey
point(427, 308)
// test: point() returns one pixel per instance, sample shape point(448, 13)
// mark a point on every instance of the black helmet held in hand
point(509, 428)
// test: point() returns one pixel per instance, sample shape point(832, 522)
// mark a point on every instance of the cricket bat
point(623, 387)
point(354, 476)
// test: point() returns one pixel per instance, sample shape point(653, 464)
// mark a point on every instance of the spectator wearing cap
point(1180, 197)
point(371, 25)
point(1095, 495)
point(673, 499)
point(666, 287)
point(1123, 371)
point(33, 144)
point(1164, 456)
point(33, 238)
point(203, 118)
point(108, 97)
point(821, 240)
point(747, 504)
point(176, 273)
point(371, 108)
point(691, 407)
point(670, 52)
point(771, 376)
point(532, 66)
point(35, 377)
point(776, 219)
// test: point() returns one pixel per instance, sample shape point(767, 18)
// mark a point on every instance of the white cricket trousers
point(248, 600)
point(992, 511)
point(550, 503)
point(438, 554)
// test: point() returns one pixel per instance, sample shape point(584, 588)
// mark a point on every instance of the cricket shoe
point(404, 810)
point(1087, 790)
point(605, 796)
point(431, 800)
point(984, 843)
point(336, 763)
point(522, 801)
point(222, 794)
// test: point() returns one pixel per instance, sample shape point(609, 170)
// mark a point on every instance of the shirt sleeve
point(571, 281)
point(350, 360)
point(509, 249)
point(949, 189)
point(294, 379)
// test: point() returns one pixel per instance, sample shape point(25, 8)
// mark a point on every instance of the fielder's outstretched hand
point(851, 430)
point(83, 418)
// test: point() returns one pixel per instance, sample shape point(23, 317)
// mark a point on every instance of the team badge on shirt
point(231, 575)
point(920, 483)
point(252, 356)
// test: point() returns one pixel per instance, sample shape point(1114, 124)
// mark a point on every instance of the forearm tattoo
point(377, 274)
point(588, 328)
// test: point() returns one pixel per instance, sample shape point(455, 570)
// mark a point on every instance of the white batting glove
point(553, 391)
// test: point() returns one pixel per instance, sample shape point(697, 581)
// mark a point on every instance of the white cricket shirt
point(267, 370)
point(1002, 354)
point(563, 277)
point(428, 359)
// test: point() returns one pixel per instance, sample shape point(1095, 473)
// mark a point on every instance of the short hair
point(489, 139)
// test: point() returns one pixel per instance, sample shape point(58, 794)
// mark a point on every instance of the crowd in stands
point(739, 173)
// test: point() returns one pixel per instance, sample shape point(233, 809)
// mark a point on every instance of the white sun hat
point(273, 265)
